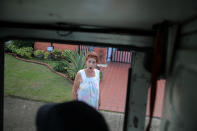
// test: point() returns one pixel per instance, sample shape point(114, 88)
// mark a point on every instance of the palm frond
point(75, 63)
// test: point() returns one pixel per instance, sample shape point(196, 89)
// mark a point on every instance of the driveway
point(19, 115)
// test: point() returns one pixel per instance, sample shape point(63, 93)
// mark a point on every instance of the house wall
point(63, 47)
point(44, 45)
point(102, 52)
point(41, 45)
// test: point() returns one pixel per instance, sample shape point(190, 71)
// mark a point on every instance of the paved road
point(19, 115)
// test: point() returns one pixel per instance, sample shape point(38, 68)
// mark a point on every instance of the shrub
point(13, 45)
point(12, 48)
point(7, 43)
point(56, 54)
point(60, 67)
point(66, 53)
point(75, 63)
point(39, 54)
point(46, 55)
point(101, 73)
point(23, 43)
point(25, 52)
point(50, 56)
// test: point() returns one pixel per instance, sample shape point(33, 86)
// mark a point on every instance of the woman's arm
point(76, 85)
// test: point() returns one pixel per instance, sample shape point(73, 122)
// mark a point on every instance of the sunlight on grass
point(36, 82)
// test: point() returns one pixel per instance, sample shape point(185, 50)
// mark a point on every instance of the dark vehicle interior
point(162, 34)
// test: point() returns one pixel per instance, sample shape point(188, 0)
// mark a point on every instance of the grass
point(35, 82)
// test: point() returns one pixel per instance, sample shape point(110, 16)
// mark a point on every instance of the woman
point(86, 85)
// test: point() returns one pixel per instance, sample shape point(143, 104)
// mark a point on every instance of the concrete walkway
point(19, 115)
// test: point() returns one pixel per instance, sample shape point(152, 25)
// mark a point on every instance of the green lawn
point(35, 82)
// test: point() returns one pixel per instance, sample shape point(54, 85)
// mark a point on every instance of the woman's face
point(91, 63)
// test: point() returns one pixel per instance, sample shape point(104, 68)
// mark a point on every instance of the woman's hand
point(74, 95)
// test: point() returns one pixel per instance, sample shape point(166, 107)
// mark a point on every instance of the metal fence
point(122, 56)
point(115, 55)
point(84, 49)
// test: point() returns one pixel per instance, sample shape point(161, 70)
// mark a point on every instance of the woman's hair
point(92, 55)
